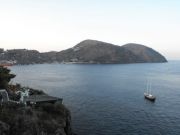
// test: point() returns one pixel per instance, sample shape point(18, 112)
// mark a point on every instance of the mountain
point(144, 54)
point(92, 51)
point(87, 51)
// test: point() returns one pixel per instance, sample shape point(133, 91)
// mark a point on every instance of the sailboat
point(148, 95)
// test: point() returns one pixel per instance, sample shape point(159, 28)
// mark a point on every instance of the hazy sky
point(47, 25)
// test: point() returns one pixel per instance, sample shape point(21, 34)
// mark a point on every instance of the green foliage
point(5, 77)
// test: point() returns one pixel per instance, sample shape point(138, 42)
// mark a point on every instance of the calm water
point(108, 99)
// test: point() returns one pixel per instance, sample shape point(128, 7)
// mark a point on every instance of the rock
point(4, 128)
point(45, 119)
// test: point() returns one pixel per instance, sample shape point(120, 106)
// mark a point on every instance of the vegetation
point(48, 119)
point(5, 77)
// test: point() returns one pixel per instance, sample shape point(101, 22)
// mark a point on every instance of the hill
point(92, 51)
point(87, 51)
point(145, 54)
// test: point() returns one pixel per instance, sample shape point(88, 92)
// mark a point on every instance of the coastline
point(34, 119)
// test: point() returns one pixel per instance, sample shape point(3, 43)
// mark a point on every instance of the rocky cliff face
point(88, 51)
point(47, 119)
point(28, 111)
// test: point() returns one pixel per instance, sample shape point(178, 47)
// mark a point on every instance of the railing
point(4, 97)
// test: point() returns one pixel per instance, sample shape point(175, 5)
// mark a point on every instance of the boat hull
point(149, 97)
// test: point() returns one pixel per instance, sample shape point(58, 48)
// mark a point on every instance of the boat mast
point(147, 88)
point(150, 89)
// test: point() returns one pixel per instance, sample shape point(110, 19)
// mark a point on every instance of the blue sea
point(108, 99)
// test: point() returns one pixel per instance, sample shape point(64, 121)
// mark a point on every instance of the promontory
point(87, 51)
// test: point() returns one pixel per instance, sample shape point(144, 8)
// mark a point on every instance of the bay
point(108, 99)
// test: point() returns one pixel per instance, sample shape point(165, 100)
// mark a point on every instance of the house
point(40, 99)
point(7, 62)
point(27, 99)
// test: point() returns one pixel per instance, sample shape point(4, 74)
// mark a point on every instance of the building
point(40, 99)
point(27, 99)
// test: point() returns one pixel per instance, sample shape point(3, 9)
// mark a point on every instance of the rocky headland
point(87, 51)
point(43, 119)
point(27, 111)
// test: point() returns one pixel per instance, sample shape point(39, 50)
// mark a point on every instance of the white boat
point(148, 95)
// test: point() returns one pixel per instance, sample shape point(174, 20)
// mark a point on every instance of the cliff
point(27, 111)
point(45, 118)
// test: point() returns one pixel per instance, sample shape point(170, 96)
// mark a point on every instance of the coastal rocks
point(4, 128)
point(46, 119)
point(33, 112)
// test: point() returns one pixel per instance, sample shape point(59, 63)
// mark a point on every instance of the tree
point(5, 77)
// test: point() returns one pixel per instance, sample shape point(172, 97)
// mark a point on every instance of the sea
point(108, 99)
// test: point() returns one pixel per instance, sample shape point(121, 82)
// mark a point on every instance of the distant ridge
point(93, 51)
point(87, 51)
point(144, 53)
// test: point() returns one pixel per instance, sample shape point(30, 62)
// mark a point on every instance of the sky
point(47, 25)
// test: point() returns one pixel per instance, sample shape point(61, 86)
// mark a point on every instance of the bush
point(5, 77)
